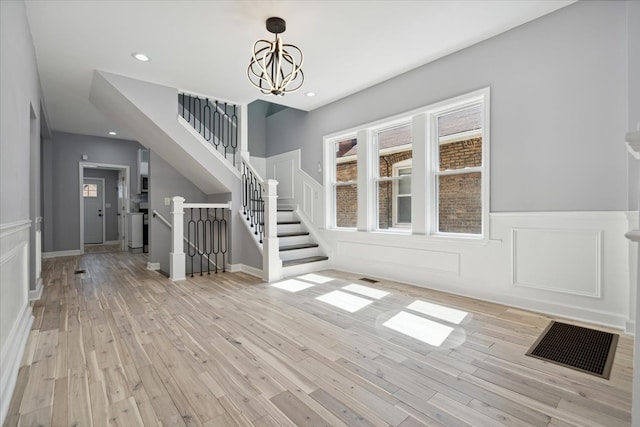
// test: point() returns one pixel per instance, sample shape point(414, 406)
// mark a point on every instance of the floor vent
point(366, 279)
point(82, 271)
point(583, 349)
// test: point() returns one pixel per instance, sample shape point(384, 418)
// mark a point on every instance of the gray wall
point(633, 48)
point(110, 199)
point(66, 152)
point(257, 127)
point(165, 181)
point(20, 95)
point(558, 109)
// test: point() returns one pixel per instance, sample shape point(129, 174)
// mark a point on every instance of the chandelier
point(275, 66)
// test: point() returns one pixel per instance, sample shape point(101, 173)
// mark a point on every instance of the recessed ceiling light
point(112, 133)
point(140, 56)
point(310, 94)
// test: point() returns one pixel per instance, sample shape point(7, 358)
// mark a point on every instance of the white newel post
point(176, 256)
point(271, 262)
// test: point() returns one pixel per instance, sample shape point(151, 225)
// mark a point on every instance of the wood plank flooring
point(121, 345)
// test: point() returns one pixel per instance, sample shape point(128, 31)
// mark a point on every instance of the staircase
point(299, 251)
point(206, 141)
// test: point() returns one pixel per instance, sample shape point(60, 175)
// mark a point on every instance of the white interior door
point(93, 199)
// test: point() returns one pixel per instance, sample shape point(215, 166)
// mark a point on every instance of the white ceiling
point(205, 46)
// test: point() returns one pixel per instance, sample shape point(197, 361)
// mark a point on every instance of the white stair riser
point(288, 241)
point(299, 253)
point(289, 228)
point(286, 216)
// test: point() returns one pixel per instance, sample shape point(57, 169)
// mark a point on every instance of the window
point(393, 146)
point(345, 189)
point(90, 190)
point(402, 194)
point(457, 174)
point(424, 172)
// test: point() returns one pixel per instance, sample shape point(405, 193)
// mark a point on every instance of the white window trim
point(405, 164)
point(424, 206)
point(482, 96)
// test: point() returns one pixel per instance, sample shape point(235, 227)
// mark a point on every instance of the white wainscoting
point(15, 313)
point(296, 187)
point(570, 264)
point(567, 261)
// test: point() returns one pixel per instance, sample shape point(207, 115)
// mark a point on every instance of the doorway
point(104, 196)
point(94, 220)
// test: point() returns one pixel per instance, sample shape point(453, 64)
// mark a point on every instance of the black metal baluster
point(208, 248)
point(216, 126)
point(244, 188)
point(225, 130)
point(223, 236)
point(191, 232)
point(206, 111)
point(234, 130)
point(200, 238)
point(216, 242)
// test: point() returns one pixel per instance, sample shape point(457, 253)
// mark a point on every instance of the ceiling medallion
point(275, 66)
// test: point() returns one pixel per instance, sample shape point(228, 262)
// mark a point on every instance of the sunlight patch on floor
point(438, 311)
point(344, 301)
point(425, 330)
point(315, 278)
point(292, 285)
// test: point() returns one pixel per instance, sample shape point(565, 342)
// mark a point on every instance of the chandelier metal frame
point(275, 67)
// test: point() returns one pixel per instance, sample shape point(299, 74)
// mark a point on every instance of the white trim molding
point(153, 266)
point(537, 260)
point(56, 254)
point(236, 268)
point(11, 356)
point(14, 227)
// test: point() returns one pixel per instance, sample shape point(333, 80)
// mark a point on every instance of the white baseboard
point(630, 327)
point(154, 266)
point(37, 292)
point(57, 254)
point(234, 268)
point(11, 356)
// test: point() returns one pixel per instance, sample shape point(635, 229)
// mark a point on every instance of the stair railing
point(216, 121)
point(260, 211)
point(207, 233)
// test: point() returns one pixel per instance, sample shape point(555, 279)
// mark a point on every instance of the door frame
point(125, 196)
point(104, 208)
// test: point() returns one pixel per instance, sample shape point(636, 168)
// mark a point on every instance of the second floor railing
point(216, 121)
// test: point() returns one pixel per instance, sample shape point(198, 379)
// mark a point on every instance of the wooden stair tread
point(291, 262)
point(285, 223)
point(293, 234)
point(300, 246)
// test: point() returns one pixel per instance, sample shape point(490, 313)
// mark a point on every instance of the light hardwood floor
point(121, 345)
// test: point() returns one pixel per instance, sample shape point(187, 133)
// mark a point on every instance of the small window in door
point(90, 190)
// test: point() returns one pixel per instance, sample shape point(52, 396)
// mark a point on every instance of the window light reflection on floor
point(345, 301)
point(366, 291)
point(425, 330)
point(292, 285)
point(316, 278)
point(441, 312)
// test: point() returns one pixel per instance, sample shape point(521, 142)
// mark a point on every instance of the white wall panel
point(568, 261)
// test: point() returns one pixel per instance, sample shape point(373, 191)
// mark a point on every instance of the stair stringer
point(150, 112)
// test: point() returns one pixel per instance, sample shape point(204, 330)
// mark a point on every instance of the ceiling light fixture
point(112, 133)
point(310, 94)
point(140, 56)
point(275, 67)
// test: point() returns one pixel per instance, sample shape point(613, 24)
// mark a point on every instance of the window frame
point(424, 209)
point(395, 192)
point(332, 183)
